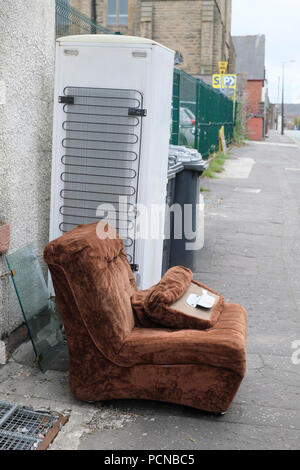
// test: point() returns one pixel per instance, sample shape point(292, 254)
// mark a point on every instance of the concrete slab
point(239, 168)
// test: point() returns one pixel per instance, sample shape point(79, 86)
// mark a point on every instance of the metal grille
point(22, 428)
point(4, 409)
point(101, 159)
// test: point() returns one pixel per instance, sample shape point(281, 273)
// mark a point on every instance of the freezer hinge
point(66, 99)
point(135, 267)
point(137, 112)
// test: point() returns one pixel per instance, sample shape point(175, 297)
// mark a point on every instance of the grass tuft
point(216, 165)
point(204, 190)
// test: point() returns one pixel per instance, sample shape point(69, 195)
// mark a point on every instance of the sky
point(279, 21)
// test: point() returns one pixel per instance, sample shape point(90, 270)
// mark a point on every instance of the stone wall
point(169, 27)
point(198, 29)
point(83, 6)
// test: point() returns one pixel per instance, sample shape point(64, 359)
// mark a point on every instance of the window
point(117, 12)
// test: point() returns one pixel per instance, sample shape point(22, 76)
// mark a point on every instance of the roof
point(107, 38)
point(250, 56)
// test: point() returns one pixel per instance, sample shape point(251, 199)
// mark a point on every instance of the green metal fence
point(198, 113)
point(69, 21)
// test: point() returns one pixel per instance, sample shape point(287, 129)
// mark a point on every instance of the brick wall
point(255, 128)
point(254, 97)
point(254, 94)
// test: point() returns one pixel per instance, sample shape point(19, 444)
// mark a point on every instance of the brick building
point(250, 64)
point(199, 30)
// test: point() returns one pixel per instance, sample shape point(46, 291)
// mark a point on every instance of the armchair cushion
point(223, 345)
point(165, 304)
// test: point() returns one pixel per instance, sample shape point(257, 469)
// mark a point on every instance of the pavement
point(251, 255)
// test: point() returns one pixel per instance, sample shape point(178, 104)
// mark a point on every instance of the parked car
point(187, 127)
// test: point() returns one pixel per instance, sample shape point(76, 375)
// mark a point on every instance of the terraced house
point(199, 30)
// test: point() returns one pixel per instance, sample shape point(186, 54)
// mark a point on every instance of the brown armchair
point(111, 357)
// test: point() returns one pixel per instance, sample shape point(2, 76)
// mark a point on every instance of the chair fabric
point(98, 274)
point(113, 355)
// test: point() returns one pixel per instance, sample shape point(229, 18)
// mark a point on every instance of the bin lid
point(184, 152)
point(174, 166)
point(173, 170)
point(191, 159)
point(199, 166)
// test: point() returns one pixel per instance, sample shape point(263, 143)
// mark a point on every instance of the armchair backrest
point(96, 275)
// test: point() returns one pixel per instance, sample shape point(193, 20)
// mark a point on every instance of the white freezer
point(103, 146)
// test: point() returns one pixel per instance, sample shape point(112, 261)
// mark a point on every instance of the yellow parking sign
point(224, 81)
point(223, 67)
point(229, 81)
point(216, 80)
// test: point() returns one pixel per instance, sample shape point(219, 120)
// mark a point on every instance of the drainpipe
point(93, 14)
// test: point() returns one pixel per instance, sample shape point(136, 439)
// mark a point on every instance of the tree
point(297, 122)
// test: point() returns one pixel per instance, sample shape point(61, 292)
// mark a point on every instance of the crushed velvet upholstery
point(112, 355)
point(171, 287)
point(156, 305)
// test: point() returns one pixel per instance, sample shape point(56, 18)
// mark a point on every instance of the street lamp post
point(282, 103)
point(277, 103)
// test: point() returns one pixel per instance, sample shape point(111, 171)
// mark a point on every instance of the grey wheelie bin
point(186, 229)
point(174, 168)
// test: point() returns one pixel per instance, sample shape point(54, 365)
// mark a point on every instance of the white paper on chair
point(205, 300)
